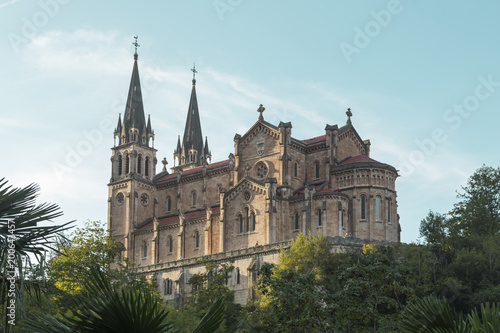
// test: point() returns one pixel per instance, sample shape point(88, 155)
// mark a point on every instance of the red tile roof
point(195, 170)
point(175, 218)
point(314, 140)
point(358, 159)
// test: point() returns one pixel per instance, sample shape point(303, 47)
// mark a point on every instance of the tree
point(21, 236)
point(206, 287)
point(477, 215)
point(295, 300)
point(105, 307)
point(434, 231)
point(88, 247)
point(296, 294)
point(374, 290)
point(316, 289)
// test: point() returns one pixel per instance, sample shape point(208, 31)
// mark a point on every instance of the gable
point(349, 144)
point(246, 184)
point(261, 139)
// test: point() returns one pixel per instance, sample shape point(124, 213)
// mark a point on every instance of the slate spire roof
point(133, 128)
point(192, 152)
point(193, 138)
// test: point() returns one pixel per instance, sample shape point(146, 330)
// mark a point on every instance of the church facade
point(245, 208)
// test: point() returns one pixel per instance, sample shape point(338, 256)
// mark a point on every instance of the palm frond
point(213, 318)
point(432, 315)
point(41, 323)
point(486, 322)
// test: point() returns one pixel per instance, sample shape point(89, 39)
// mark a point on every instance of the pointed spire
point(193, 138)
point(205, 149)
point(134, 123)
point(148, 127)
point(191, 151)
point(119, 125)
point(178, 149)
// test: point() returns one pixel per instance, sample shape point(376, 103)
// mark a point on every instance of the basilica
point(244, 209)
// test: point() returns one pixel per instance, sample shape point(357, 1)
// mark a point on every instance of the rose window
point(262, 171)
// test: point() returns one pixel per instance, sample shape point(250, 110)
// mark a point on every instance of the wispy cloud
point(5, 4)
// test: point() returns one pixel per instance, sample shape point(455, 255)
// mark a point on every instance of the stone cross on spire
point(260, 110)
point(349, 115)
point(136, 46)
point(194, 73)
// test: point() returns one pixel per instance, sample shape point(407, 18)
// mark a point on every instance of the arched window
point(377, 208)
point(146, 167)
point(237, 275)
point(319, 217)
point(120, 165)
point(389, 210)
point(169, 204)
point(170, 244)
point(139, 164)
point(253, 221)
point(127, 163)
point(167, 287)
point(296, 221)
point(247, 220)
point(342, 218)
point(197, 241)
point(241, 223)
point(316, 169)
point(194, 198)
point(363, 207)
point(296, 169)
point(145, 250)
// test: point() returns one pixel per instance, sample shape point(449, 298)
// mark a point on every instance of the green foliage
point(314, 289)
point(478, 213)
point(104, 308)
point(465, 244)
point(21, 236)
point(374, 289)
point(89, 247)
point(207, 287)
point(434, 315)
point(309, 254)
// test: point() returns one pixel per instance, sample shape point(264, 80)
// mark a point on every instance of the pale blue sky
point(404, 68)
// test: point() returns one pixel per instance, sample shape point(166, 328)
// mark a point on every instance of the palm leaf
point(213, 318)
point(432, 315)
point(488, 321)
point(19, 219)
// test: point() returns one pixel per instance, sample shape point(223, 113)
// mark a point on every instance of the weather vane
point(135, 43)
point(194, 71)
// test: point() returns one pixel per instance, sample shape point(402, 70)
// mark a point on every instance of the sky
point(422, 79)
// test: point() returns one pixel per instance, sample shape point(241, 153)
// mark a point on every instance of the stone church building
point(272, 187)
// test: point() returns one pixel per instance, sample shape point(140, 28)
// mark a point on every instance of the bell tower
point(131, 198)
